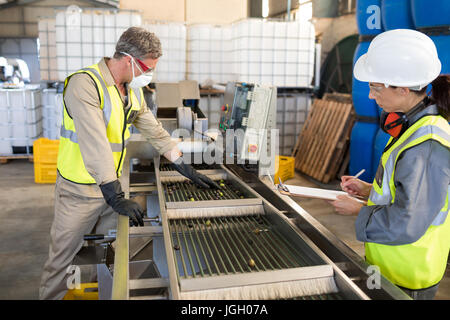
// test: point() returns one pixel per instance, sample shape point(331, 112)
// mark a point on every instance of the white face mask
point(141, 80)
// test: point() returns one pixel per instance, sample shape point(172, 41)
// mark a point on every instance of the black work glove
point(189, 172)
point(114, 196)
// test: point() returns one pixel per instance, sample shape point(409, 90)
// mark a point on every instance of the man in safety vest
point(101, 102)
point(406, 225)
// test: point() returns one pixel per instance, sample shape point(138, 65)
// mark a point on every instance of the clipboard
point(316, 193)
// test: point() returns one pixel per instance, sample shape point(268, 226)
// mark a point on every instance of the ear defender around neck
point(395, 123)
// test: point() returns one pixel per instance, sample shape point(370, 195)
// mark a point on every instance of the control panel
point(235, 108)
point(251, 108)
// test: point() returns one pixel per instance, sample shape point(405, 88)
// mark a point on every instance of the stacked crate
point(45, 160)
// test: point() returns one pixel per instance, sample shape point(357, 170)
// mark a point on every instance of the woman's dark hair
point(440, 94)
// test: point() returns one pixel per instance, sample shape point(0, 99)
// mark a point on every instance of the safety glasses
point(141, 65)
point(144, 68)
point(376, 89)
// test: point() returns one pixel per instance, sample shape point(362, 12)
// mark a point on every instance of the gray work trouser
point(422, 294)
point(75, 216)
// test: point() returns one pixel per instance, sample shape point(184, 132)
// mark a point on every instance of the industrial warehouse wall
point(22, 21)
point(330, 31)
point(189, 11)
point(167, 10)
point(215, 11)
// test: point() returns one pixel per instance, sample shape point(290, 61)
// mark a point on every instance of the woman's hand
point(355, 187)
point(346, 205)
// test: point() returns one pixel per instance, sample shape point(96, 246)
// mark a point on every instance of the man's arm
point(154, 132)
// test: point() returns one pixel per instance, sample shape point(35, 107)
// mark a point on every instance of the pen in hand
point(359, 173)
point(345, 184)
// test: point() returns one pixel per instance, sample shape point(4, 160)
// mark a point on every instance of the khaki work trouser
point(75, 216)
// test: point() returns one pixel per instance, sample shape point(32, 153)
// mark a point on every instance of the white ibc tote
point(209, 55)
point(77, 38)
point(47, 49)
point(279, 53)
point(171, 66)
point(20, 119)
point(52, 113)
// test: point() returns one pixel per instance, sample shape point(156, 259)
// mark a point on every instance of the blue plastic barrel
point(368, 17)
point(442, 43)
point(362, 142)
point(430, 13)
point(379, 111)
point(381, 140)
point(360, 90)
point(396, 14)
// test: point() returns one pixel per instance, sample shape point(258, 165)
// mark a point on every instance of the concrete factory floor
point(27, 214)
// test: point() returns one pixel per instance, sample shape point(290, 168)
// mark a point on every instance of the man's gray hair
point(139, 43)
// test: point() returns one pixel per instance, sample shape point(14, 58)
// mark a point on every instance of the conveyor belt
point(188, 191)
point(201, 166)
point(222, 246)
point(218, 249)
point(231, 245)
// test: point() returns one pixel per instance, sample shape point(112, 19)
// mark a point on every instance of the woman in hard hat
point(405, 224)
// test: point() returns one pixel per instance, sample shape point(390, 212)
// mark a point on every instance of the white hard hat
point(401, 58)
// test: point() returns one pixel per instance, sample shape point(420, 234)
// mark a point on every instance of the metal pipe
point(152, 219)
point(289, 10)
point(275, 240)
point(243, 245)
point(175, 255)
point(293, 251)
point(215, 248)
point(238, 249)
point(205, 257)
point(258, 247)
point(200, 266)
point(223, 249)
point(191, 264)
point(180, 248)
point(207, 245)
point(267, 244)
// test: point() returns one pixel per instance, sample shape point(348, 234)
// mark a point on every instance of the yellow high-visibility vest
point(420, 264)
point(70, 162)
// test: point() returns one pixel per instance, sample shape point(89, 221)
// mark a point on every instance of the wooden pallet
point(5, 159)
point(323, 143)
point(339, 97)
